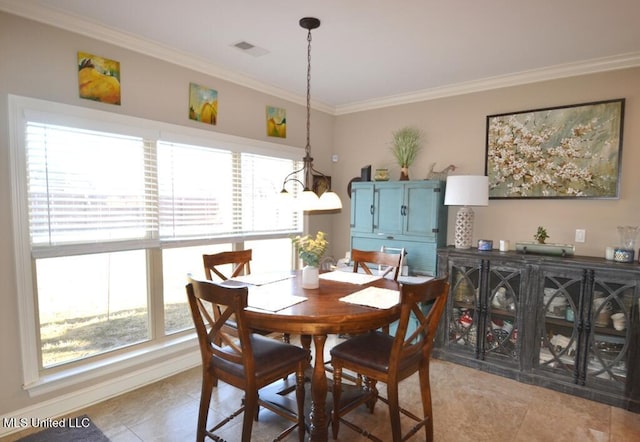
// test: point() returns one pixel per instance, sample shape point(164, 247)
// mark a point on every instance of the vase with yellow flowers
point(310, 250)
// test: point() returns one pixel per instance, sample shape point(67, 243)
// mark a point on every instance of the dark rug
point(74, 429)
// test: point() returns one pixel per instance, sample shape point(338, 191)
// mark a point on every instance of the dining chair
point(239, 260)
point(240, 264)
point(363, 258)
point(245, 360)
point(392, 261)
point(380, 357)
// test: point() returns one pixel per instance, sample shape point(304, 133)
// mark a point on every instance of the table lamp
point(465, 191)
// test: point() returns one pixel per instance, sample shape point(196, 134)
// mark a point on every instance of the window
point(118, 215)
point(90, 304)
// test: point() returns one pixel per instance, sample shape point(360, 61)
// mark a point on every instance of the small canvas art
point(276, 122)
point(203, 104)
point(98, 78)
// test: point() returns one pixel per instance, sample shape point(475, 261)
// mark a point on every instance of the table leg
point(318, 426)
point(305, 340)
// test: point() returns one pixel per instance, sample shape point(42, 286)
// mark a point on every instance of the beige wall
point(40, 61)
point(455, 130)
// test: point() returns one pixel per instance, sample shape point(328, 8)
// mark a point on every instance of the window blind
point(87, 187)
point(206, 192)
point(195, 191)
point(91, 191)
point(261, 183)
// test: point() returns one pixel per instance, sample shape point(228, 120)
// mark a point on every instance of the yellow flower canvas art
point(98, 78)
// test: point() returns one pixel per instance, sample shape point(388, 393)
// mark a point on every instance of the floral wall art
point(203, 104)
point(560, 152)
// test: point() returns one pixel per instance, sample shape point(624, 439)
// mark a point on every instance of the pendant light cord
point(308, 146)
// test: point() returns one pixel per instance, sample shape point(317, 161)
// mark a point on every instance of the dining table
point(344, 303)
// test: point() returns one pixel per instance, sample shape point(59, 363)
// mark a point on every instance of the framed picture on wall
point(559, 152)
point(321, 183)
point(98, 78)
point(203, 104)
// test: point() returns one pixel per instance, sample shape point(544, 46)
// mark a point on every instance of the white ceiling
point(366, 53)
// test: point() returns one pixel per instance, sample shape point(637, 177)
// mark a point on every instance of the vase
point(310, 277)
point(404, 174)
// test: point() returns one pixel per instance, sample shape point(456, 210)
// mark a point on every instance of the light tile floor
point(469, 405)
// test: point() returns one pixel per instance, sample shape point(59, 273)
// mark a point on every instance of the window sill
point(176, 354)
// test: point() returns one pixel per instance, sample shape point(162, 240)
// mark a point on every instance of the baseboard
point(68, 403)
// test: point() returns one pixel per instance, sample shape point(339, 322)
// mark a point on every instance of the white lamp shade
point(308, 200)
point(330, 201)
point(467, 190)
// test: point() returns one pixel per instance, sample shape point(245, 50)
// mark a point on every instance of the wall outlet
point(581, 235)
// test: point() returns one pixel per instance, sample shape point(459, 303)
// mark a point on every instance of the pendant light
point(308, 200)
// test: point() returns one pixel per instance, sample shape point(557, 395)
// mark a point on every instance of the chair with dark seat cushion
point(242, 359)
point(379, 357)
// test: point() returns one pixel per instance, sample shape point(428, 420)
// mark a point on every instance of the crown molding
point(82, 26)
point(622, 61)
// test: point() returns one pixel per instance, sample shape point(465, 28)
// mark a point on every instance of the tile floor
point(469, 405)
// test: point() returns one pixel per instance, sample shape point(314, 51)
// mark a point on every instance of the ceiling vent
point(250, 49)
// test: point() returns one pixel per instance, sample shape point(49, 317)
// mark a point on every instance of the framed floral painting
point(559, 152)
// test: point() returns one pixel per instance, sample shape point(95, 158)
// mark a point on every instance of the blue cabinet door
point(421, 208)
point(388, 203)
point(362, 207)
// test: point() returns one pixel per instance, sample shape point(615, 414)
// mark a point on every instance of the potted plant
point(405, 146)
point(310, 251)
point(541, 235)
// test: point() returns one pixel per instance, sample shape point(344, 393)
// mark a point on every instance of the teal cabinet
point(400, 214)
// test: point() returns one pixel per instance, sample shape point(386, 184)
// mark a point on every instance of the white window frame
point(21, 109)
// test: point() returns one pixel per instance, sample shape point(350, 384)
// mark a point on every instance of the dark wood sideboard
point(546, 321)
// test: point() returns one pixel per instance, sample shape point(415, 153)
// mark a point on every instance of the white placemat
point(349, 277)
point(262, 279)
point(374, 297)
point(265, 298)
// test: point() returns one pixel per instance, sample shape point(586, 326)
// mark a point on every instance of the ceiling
point(366, 53)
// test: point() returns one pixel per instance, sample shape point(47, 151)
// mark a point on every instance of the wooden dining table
point(320, 314)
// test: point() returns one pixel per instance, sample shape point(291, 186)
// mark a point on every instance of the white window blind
point(195, 191)
point(206, 192)
point(87, 187)
point(93, 191)
point(261, 178)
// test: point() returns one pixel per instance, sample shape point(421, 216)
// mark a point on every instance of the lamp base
point(464, 228)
